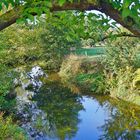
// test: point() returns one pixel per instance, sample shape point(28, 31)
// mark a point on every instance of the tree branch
point(11, 16)
point(116, 15)
point(124, 34)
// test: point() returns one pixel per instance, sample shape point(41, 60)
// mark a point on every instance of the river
point(50, 110)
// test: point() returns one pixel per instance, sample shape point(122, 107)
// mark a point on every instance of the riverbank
point(95, 75)
point(45, 110)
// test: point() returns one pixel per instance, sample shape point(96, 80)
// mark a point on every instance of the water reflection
point(56, 113)
point(122, 124)
point(61, 107)
point(101, 117)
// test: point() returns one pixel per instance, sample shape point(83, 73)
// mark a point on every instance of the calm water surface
point(71, 116)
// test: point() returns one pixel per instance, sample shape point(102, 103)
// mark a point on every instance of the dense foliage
point(7, 101)
point(112, 73)
point(9, 130)
point(44, 44)
point(30, 46)
point(125, 12)
point(46, 40)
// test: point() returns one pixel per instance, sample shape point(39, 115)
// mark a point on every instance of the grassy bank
point(90, 75)
point(115, 73)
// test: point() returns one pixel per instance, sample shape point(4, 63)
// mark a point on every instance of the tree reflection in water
point(123, 122)
point(61, 107)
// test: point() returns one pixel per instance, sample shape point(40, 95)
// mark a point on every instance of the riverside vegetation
point(24, 46)
point(53, 47)
point(116, 72)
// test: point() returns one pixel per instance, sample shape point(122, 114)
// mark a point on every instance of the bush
point(10, 131)
point(70, 67)
point(136, 80)
point(46, 42)
point(120, 64)
point(113, 73)
point(74, 64)
point(85, 72)
point(121, 54)
point(7, 98)
point(121, 84)
point(94, 82)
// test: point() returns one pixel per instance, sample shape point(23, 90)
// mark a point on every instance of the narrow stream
point(48, 110)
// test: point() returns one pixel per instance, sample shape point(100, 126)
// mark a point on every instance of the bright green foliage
point(45, 44)
point(7, 101)
point(20, 47)
point(10, 131)
point(120, 63)
point(87, 73)
point(121, 53)
point(59, 38)
point(49, 43)
point(94, 82)
point(130, 10)
point(111, 73)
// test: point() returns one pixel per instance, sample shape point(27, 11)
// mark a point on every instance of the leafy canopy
point(129, 9)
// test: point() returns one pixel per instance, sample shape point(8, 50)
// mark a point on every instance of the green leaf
point(125, 12)
point(61, 2)
point(48, 4)
point(20, 20)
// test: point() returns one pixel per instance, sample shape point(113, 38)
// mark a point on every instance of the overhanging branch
point(119, 35)
point(124, 34)
point(11, 16)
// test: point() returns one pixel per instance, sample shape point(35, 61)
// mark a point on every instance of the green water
point(90, 51)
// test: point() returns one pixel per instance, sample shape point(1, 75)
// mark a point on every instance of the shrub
point(112, 74)
point(7, 98)
point(120, 54)
point(120, 63)
point(86, 72)
point(74, 64)
point(136, 80)
point(70, 67)
point(121, 84)
point(46, 42)
point(94, 82)
point(10, 131)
